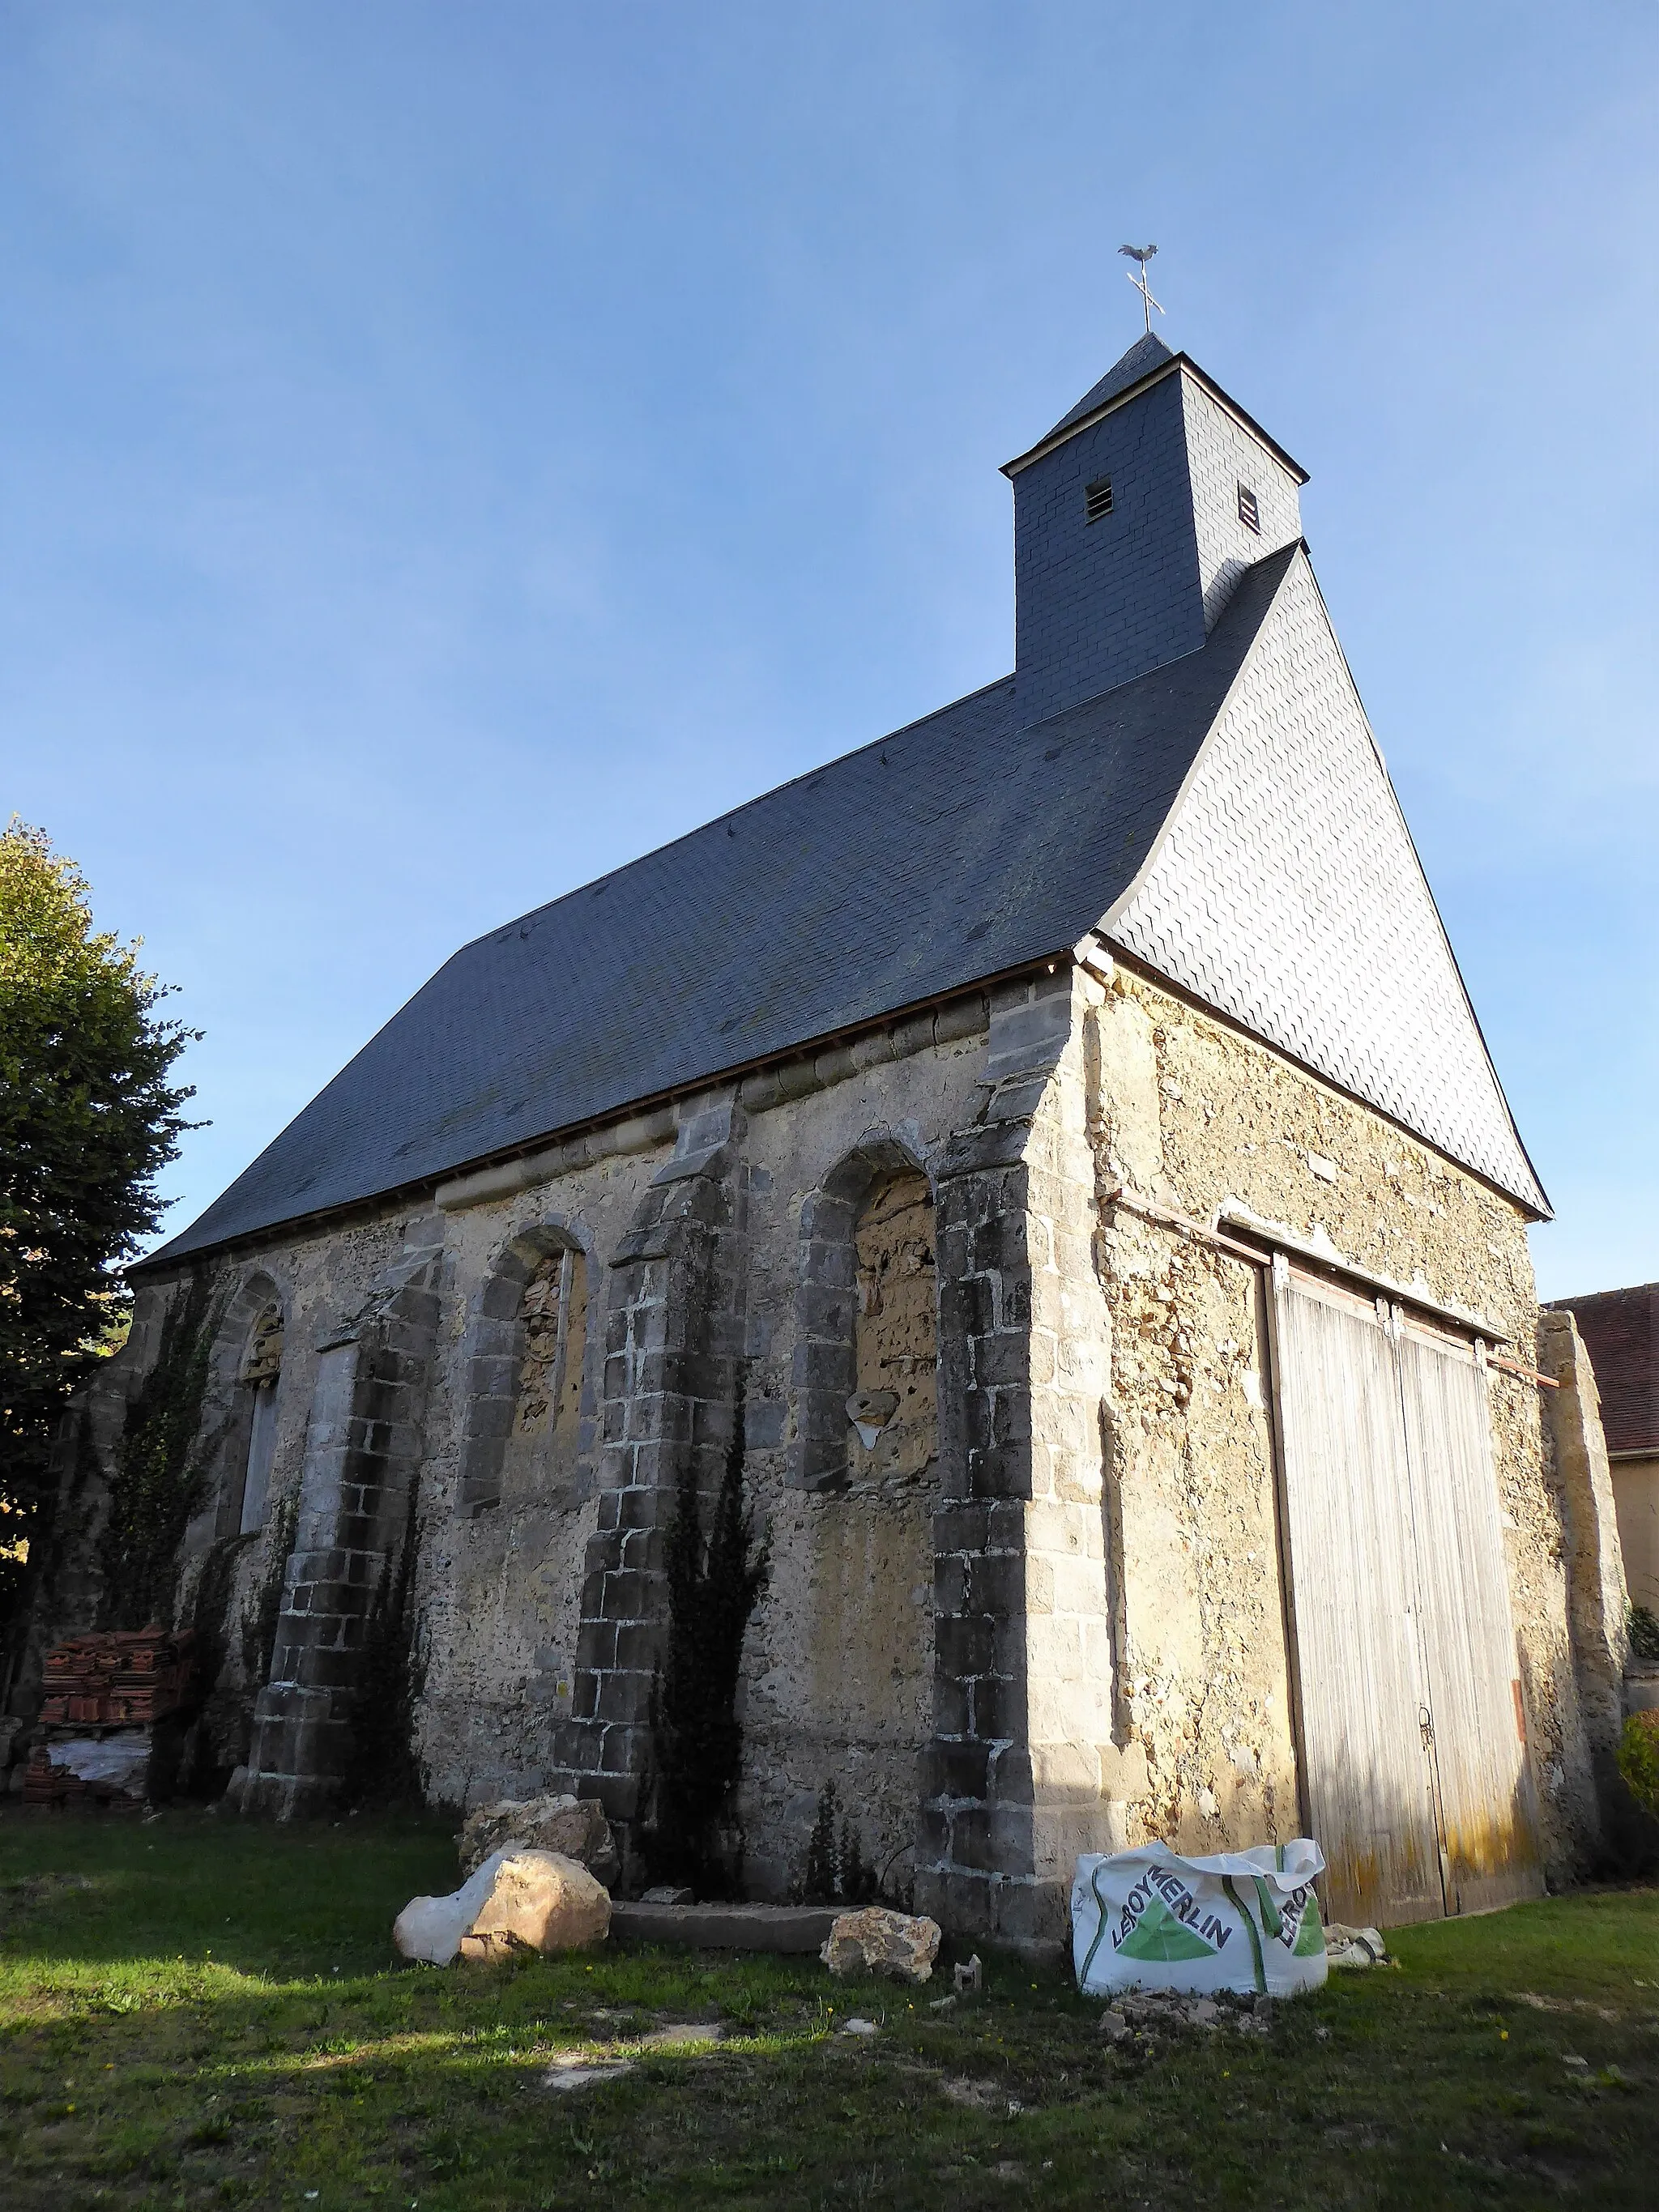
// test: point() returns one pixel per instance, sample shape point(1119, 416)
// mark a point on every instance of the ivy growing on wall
point(697, 1740)
point(158, 1483)
point(389, 1679)
point(265, 1610)
point(838, 1872)
point(208, 1769)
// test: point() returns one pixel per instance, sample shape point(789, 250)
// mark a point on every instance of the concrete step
point(798, 1927)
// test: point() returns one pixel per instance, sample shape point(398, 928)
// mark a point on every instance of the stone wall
point(1193, 1114)
point(1598, 1601)
point(1044, 1612)
point(716, 1242)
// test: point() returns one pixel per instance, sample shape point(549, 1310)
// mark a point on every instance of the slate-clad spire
point(1144, 355)
point(1133, 519)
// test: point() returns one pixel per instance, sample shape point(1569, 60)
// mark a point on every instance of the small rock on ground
point(580, 2072)
point(537, 1901)
point(586, 2069)
point(1149, 2011)
point(680, 2035)
point(574, 1828)
point(877, 1942)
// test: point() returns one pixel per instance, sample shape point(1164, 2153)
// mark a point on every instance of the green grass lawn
point(198, 2012)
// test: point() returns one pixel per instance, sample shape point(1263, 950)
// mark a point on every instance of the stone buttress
point(1020, 1776)
point(358, 1490)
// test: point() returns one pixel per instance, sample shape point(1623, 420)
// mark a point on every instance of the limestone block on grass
point(429, 1928)
point(574, 1828)
point(516, 1901)
point(537, 1901)
point(877, 1942)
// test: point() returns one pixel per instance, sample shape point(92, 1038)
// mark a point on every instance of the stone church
point(1063, 1124)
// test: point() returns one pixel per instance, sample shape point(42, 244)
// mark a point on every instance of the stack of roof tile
point(105, 1694)
point(122, 1678)
point(116, 1783)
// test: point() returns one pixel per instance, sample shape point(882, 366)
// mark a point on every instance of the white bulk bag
point(1154, 1920)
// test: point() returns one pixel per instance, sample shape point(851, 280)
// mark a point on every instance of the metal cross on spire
point(1142, 255)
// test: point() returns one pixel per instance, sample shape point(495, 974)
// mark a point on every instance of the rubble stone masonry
point(1039, 1615)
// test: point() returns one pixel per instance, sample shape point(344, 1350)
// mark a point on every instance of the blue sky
point(445, 450)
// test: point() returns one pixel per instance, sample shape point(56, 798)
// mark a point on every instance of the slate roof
point(1144, 355)
point(1620, 1329)
point(953, 850)
point(1144, 359)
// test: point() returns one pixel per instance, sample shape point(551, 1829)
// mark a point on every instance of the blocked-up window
point(894, 1409)
point(555, 1319)
point(259, 1381)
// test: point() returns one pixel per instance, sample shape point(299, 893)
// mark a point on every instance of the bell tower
point(1133, 519)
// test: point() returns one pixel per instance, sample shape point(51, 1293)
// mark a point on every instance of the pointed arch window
point(867, 1353)
point(523, 1433)
point(548, 1414)
point(257, 1385)
point(893, 1407)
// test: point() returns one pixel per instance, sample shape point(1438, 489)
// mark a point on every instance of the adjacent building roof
point(1620, 1329)
point(955, 849)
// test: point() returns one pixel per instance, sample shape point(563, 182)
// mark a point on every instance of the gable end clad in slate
point(954, 849)
point(1286, 894)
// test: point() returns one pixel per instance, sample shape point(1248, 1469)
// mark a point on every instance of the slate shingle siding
point(1098, 602)
point(1221, 454)
point(1287, 895)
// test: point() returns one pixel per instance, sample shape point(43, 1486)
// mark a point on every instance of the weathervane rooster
point(1142, 255)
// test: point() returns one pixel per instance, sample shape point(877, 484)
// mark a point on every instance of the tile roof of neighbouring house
point(954, 849)
point(1620, 1329)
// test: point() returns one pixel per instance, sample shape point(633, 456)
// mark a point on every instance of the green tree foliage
point(88, 1116)
point(1638, 1760)
point(157, 1484)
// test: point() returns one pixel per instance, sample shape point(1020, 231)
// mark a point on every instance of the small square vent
point(1097, 498)
point(1249, 512)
